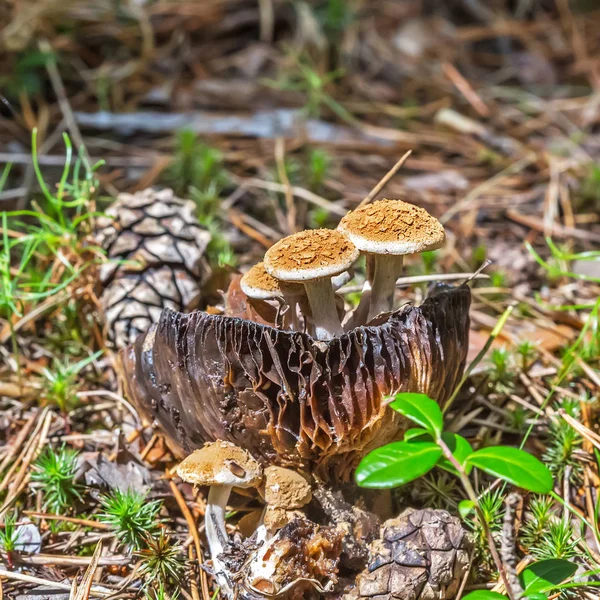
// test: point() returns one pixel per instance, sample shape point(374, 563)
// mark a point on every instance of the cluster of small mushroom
point(223, 466)
point(303, 271)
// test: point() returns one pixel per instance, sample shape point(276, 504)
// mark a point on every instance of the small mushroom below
point(284, 491)
point(222, 466)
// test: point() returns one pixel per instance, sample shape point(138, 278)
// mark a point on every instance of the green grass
point(47, 249)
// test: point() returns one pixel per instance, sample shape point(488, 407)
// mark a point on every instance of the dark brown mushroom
point(287, 398)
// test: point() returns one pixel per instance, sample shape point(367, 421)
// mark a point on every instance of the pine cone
point(420, 555)
point(155, 246)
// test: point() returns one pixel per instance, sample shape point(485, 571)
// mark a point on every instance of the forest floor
point(242, 106)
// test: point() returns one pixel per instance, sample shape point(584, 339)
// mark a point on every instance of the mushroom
point(284, 491)
point(313, 257)
point(385, 231)
point(222, 466)
point(259, 286)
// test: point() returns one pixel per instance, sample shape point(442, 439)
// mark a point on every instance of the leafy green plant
point(197, 169)
point(62, 382)
point(304, 77)
point(55, 470)
point(536, 523)
point(527, 352)
point(318, 167)
point(557, 541)
point(9, 535)
point(563, 443)
point(162, 561)
point(132, 517)
point(502, 372)
point(424, 448)
point(492, 511)
point(538, 581)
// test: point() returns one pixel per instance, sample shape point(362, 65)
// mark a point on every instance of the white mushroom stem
point(216, 534)
point(386, 269)
point(322, 305)
point(292, 301)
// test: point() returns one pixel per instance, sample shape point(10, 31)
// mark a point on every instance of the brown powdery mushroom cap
point(286, 398)
point(392, 227)
point(221, 463)
point(310, 254)
point(258, 284)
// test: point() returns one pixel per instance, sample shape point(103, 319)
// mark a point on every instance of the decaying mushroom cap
point(221, 463)
point(258, 284)
point(285, 488)
point(286, 398)
point(309, 255)
point(392, 227)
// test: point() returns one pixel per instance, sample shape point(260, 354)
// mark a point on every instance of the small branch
point(384, 181)
point(508, 545)
point(473, 497)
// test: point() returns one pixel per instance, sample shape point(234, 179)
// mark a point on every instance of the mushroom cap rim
point(201, 468)
point(307, 275)
point(397, 247)
point(257, 293)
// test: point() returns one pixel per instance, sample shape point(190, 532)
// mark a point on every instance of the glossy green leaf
point(465, 508)
point(421, 409)
point(458, 445)
point(546, 574)
point(415, 433)
point(537, 596)
point(515, 466)
point(484, 595)
point(397, 463)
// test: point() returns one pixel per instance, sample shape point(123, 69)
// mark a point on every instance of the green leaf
point(397, 463)
point(546, 574)
point(537, 596)
point(515, 466)
point(465, 508)
point(415, 433)
point(484, 595)
point(422, 410)
point(461, 450)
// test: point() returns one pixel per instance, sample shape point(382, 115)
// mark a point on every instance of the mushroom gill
point(290, 399)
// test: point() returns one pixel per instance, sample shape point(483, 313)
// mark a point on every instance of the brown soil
point(394, 220)
point(311, 249)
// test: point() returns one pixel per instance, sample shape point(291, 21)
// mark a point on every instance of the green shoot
point(55, 471)
point(132, 517)
point(8, 532)
point(304, 77)
point(62, 382)
point(198, 170)
point(162, 561)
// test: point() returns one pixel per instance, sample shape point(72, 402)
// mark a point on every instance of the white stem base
point(387, 268)
point(322, 305)
point(216, 534)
